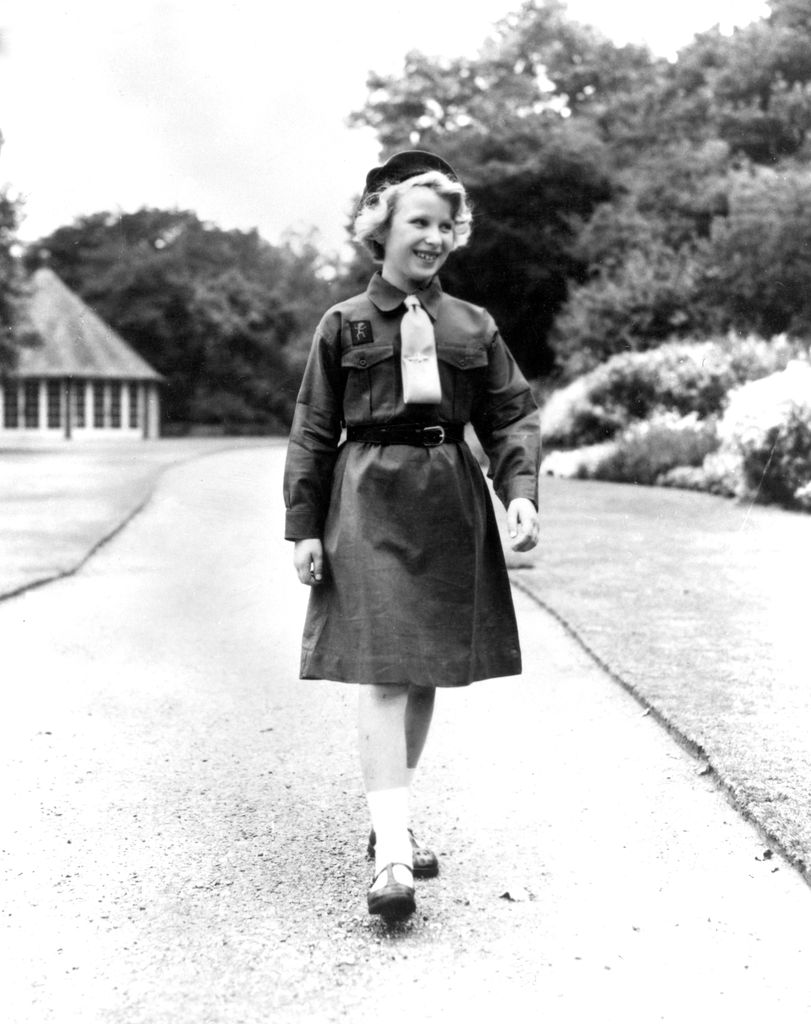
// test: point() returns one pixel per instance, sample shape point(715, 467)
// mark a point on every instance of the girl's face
point(419, 239)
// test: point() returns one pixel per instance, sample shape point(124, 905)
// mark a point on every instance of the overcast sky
point(236, 108)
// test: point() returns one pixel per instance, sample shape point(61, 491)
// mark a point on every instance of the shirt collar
point(387, 297)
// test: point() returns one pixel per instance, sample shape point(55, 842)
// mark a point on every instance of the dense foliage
point(622, 201)
point(13, 330)
point(767, 426)
point(760, 252)
point(223, 315)
point(619, 195)
point(8, 282)
point(681, 378)
point(644, 452)
point(731, 416)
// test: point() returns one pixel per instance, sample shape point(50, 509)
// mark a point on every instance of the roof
point(76, 342)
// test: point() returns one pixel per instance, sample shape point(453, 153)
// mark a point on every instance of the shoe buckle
point(433, 436)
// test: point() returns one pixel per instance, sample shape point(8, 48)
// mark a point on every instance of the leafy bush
point(221, 314)
point(802, 497)
point(646, 451)
point(767, 425)
point(636, 306)
point(680, 377)
point(719, 474)
point(570, 418)
point(759, 260)
point(780, 468)
point(580, 463)
point(642, 453)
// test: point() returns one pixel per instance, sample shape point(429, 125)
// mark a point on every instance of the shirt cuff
point(523, 487)
point(301, 525)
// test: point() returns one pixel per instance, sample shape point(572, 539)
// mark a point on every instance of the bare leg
point(419, 711)
point(382, 736)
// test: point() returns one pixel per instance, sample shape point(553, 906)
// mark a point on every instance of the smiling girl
point(394, 530)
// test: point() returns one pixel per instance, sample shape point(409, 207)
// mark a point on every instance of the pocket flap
point(465, 357)
point(367, 355)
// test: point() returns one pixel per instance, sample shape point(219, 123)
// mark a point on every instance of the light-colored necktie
point(418, 357)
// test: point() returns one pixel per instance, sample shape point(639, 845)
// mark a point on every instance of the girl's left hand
point(523, 524)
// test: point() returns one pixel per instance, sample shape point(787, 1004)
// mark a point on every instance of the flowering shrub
point(647, 450)
point(767, 425)
point(642, 453)
point(730, 416)
point(579, 463)
point(681, 377)
point(720, 473)
point(648, 297)
point(802, 497)
point(571, 419)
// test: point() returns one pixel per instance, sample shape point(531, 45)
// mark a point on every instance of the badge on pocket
point(361, 332)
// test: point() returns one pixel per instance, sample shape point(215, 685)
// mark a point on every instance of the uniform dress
point(415, 586)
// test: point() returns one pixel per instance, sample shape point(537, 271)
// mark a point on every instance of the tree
point(646, 252)
point(647, 299)
point(13, 329)
point(580, 74)
point(751, 89)
point(527, 214)
point(759, 264)
point(223, 315)
point(652, 273)
point(535, 173)
point(604, 178)
point(9, 283)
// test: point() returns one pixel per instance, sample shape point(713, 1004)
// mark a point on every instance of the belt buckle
point(437, 436)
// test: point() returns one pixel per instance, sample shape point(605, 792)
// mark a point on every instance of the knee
point(423, 695)
point(382, 695)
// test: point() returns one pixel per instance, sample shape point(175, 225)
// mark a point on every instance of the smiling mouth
point(427, 257)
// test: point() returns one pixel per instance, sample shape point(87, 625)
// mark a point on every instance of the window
point(98, 404)
point(133, 405)
point(115, 404)
point(54, 403)
point(78, 403)
point(31, 403)
point(11, 406)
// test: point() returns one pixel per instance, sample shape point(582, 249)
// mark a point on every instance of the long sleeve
point(507, 422)
point(314, 436)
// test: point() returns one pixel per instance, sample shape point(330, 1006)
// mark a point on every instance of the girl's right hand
point(308, 558)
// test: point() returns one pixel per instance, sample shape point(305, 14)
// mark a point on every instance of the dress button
point(463, 361)
point(362, 361)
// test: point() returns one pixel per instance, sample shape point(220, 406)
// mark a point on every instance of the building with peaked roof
point(81, 381)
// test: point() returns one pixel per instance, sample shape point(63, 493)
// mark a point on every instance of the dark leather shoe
point(425, 863)
point(394, 899)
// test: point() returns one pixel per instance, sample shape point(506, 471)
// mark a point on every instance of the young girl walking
point(394, 529)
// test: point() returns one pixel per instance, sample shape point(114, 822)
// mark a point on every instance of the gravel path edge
point(692, 746)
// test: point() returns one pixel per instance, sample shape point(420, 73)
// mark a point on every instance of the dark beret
point(405, 165)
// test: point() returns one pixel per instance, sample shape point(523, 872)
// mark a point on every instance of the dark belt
point(425, 434)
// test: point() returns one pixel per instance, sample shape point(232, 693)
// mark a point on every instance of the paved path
point(59, 503)
point(184, 828)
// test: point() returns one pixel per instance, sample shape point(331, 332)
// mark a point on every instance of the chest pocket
point(370, 381)
point(462, 370)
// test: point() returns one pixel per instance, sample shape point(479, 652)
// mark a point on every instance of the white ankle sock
point(389, 811)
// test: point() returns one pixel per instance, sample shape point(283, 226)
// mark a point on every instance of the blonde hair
point(373, 219)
